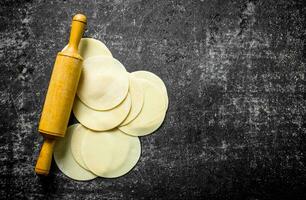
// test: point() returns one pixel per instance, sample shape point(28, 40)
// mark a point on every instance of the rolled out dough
point(103, 84)
point(90, 47)
point(65, 161)
point(110, 154)
point(76, 141)
point(137, 97)
point(154, 109)
point(101, 120)
point(153, 78)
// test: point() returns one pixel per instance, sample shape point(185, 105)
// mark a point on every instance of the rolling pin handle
point(77, 29)
point(45, 157)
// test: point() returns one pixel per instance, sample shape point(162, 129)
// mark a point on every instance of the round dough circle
point(153, 109)
point(110, 154)
point(144, 129)
point(101, 120)
point(103, 84)
point(65, 161)
point(137, 96)
point(76, 141)
point(151, 77)
point(90, 47)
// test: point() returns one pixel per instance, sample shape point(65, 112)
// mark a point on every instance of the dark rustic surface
point(235, 73)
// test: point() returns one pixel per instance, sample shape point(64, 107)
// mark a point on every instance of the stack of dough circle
point(76, 141)
point(101, 120)
point(103, 84)
point(154, 109)
point(106, 154)
point(137, 97)
point(149, 76)
point(113, 107)
point(110, 154)
point(64, 159)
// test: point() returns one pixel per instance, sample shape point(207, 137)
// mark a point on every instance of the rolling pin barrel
point(60, 96)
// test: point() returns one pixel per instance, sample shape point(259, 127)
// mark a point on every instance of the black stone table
point(235, 73)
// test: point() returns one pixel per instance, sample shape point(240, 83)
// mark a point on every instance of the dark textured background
point(235, 73)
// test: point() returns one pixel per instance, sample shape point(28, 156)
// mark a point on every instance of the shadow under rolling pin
point(60, 96)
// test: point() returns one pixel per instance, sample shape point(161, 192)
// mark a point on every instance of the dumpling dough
point(65, 161)
point(103, 84)
point(76, 141)
point(110, 154)
point(137, 97)
point(101, 120)
point(144, 129)
point(154, 108)
point(90, 47)
point(149, 76)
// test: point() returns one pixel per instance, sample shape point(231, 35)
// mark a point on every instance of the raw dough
point(65, 161)
point(154, 79)
point(110, 154)
point(144, 129)
point(137, 96)
point(154, 108)
point(101, 120)
point(90, 47)
point(103, 84)
point(76, 141)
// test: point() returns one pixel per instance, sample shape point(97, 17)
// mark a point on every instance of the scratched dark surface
point(235, 73)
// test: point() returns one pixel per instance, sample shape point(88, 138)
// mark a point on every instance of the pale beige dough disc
point(90, 47)
point(154, 108)
point(151, 77)
point(110, 154)
point(76, 141)
point(137, 96)
point(144, 129)
point(101, 120)
point(103, 84)
point(65, 161)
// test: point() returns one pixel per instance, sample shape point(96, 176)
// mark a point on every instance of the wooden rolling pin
point(60, 96)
